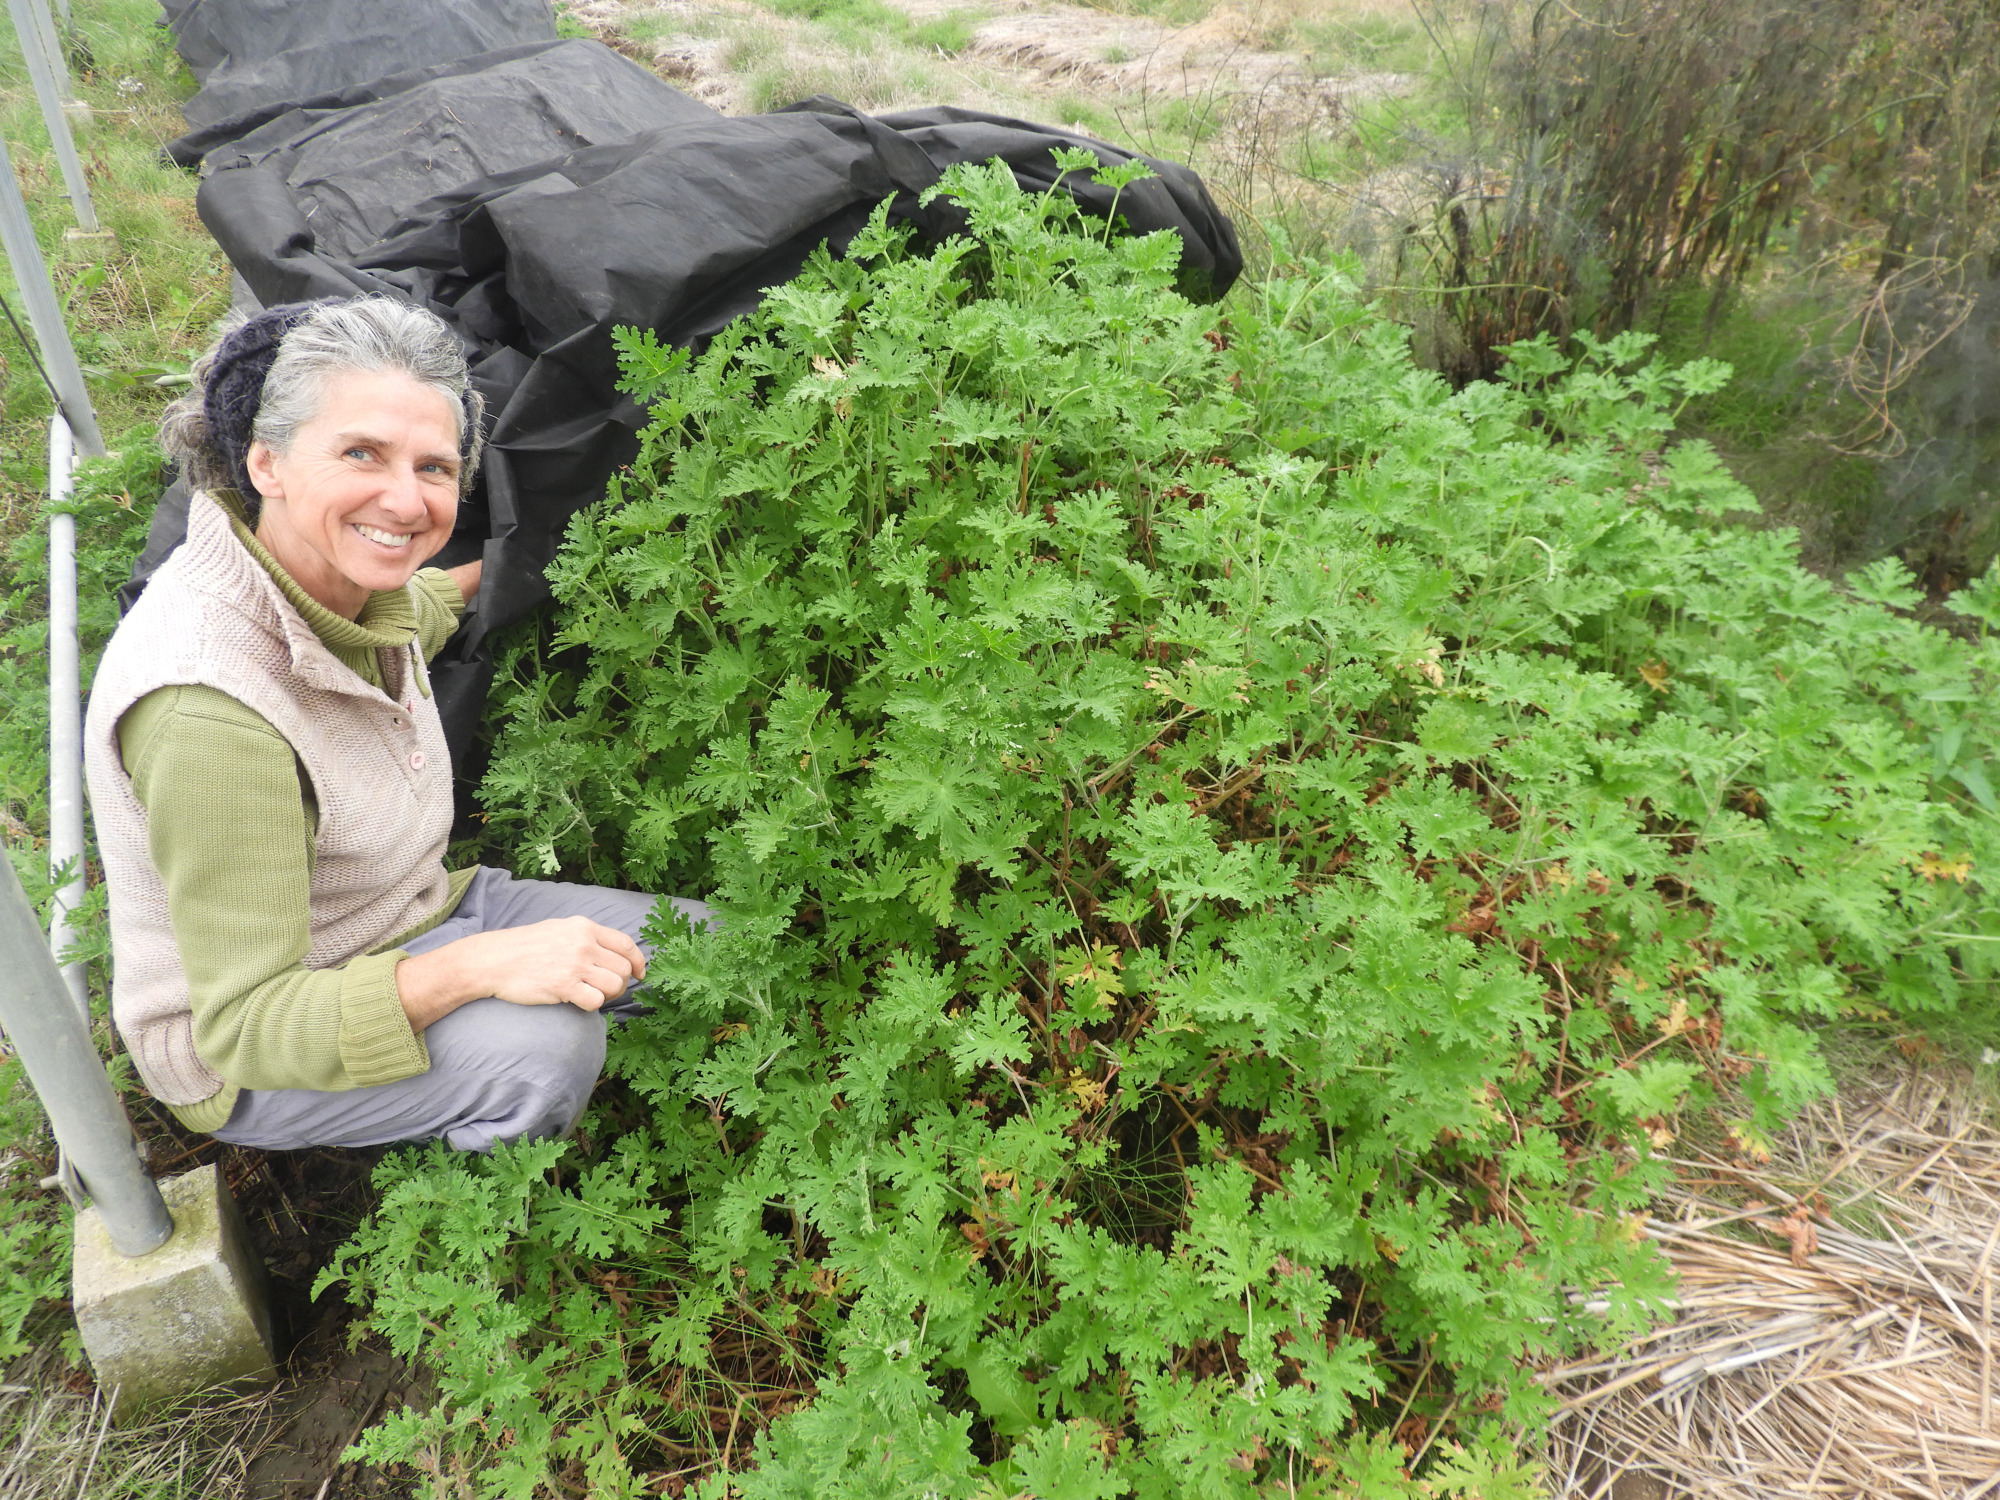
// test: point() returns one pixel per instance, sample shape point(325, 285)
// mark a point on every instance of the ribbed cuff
point(376, 1042)
point(211, 1114)
point(444, 588)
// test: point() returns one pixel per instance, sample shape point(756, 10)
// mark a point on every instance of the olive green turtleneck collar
point(388, 621)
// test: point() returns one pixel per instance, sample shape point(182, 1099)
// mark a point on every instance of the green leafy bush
point(1233, 857)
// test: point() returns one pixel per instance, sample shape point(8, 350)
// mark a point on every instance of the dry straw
point(1834, 1336)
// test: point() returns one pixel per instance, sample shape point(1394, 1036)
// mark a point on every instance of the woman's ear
point(262, 465)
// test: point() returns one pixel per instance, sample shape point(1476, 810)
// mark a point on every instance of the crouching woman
point(294, 963)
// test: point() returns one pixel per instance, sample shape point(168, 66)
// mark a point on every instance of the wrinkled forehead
point(390, 407)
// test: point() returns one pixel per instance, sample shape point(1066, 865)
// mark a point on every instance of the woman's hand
point(566, 961)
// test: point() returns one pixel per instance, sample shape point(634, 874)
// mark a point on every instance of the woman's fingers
point(601, 961)
point(617, 955)
point(608, 980)
point(623, 945)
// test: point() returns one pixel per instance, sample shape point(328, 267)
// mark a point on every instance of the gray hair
point(368, 334)
point(363, 335)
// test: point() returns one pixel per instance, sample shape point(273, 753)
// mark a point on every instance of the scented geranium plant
point(1235, 859)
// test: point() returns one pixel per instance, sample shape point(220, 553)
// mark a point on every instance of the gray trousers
point(499, 1071)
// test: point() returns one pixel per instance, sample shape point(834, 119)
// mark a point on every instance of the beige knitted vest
point(212, 615)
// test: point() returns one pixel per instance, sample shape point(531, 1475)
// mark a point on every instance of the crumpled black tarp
point(249, 55)
point(357, 161)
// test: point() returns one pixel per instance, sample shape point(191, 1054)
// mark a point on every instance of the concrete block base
point(192, 1314)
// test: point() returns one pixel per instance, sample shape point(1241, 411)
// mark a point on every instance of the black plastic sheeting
point(356, 162)
point(582, 193)
point(250, 55)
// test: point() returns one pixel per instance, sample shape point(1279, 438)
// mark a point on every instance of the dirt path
point(1217, 75)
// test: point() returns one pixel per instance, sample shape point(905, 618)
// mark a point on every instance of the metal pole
point(53, 1043)
point(53, 50)
point(31, 275)
point(65, 720)
point(29, 23)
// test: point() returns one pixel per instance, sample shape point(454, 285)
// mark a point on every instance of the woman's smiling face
point(367, 492)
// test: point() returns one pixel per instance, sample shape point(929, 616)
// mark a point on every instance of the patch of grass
point(1093, 116)
point(568, 25)
point(749, 50)
point(657, 28)
point(1776, 337)
point(862, 26)
point(949, 34)
point(1371, 40)
point(865, 82)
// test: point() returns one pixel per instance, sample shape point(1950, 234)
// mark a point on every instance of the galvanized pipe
point(31, 275)
point(53, 1043)
point(43, 54)
point(65, 718)
point(52, 49)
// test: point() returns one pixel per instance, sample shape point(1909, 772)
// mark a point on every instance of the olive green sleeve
point(440, 604)
point(227, 826)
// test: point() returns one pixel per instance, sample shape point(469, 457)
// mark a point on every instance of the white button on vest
point(417, 761)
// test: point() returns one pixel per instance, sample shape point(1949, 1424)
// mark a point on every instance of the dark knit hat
point(235, 385)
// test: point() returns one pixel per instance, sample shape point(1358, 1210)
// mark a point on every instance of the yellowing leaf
point(1654, 674)
point(1748, 1142)
point(1089, 1091)
point(1675, 1021)
point(1091, 976)
point(1937, 867)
